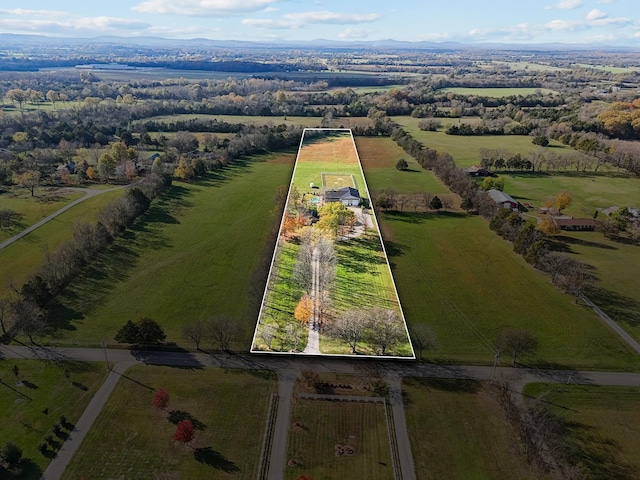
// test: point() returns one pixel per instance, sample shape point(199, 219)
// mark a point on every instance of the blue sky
point(471, 21)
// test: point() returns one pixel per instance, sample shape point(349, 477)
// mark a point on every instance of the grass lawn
point(496, 92)
point(466, 150)
point(458, 431)
point(456, 275)
point(32, 209)
point(45, 388)
point(195, 254)
point(323, 425)
point(130, 439)
point(21, 258)
point(379, 156)
point(603, 426)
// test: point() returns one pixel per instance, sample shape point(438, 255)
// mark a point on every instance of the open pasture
point(496, 92)
point(33, 401)
point(379, 156)
point(319, 432)
point(457, 276)
point(131, 439)
point(602, 426)
point(246, 119)
point(335, 181)
point(458, 430)
point(466, 150)
point(19, 259)
point(33, 209)
point(198, 252)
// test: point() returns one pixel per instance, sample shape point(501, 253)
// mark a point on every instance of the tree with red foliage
point(184, 431)
point(160, 399)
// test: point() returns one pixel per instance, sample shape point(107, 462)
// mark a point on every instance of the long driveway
point(90, 193)
point(288, 367)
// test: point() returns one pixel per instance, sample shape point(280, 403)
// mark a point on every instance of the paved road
point(614, 326)
point(90, 192)
point(288, 368)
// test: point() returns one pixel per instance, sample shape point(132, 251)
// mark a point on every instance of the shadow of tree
point(176, 416)
point(28, 469)
point(215, 459)
point(619, 307)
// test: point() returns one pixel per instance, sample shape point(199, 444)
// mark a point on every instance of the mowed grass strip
point(497, 92)
point(323, 425)
point(21, 258)
point(602, 426)
point(193, 255)
point(458, 430)
point(336, 147)
point(465, 150)
point(29, 411)
point(131, 439)
point(379, 156)
point(456, 275)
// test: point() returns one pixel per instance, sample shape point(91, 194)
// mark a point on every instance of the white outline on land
point(377, 225)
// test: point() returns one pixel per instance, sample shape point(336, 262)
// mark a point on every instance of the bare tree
point(577, 279)
point(222, 330)
point(423, 338)
point(386, 329)
point(350, 328)
point(29, 179)
point(556, 264)
point(267, 333)
point(28, 319)
point(195, 332)
point(516, 342)
point(5, 317)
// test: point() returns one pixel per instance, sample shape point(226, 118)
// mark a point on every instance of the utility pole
point(104, 348)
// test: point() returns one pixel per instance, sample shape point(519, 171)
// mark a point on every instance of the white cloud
point(595, 14)
point(351, 33)
point(569, 4)
point(202, 7)
point(605, 1)
point(101, 24)
point(564, 25)
point(299, 20)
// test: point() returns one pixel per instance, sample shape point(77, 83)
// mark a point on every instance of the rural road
point(90, 193)
point(288, 368)
point(313, 341)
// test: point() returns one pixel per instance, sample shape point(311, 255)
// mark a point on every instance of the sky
point(610, 22)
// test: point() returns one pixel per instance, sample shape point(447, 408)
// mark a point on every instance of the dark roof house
point(349, 196)
point(575, 224)
point(504, 200)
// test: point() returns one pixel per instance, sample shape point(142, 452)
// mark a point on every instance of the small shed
point(503, 200)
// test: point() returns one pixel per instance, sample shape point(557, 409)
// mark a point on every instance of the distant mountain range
point(20, 40)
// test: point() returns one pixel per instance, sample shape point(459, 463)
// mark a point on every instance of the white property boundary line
point(275, 250)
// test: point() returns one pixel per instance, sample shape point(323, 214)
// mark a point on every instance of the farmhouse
point(502, 199)
point(575, 224)
point(349, 196)
point(477, 171)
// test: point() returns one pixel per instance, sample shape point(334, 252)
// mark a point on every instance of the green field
point(29, 411)
point(496, 92)
point(456, 275)
point(465, 150)
point(34, 209)
point(21, 258)
point(602, 426)
point(194, 254)
point(459, 431)
point(532, 67)
point(323, 425)
point(246, 119)
point(379, 156)
point(608, 68)
point(131, 439)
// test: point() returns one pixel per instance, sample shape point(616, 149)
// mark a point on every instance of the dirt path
point(313, 341)
point(90, 193)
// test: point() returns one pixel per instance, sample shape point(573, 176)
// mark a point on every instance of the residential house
point(575, 224)
point(477, 171)
point(349, 196)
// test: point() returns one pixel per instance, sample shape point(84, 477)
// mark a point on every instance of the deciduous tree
point(350, 328)
point(161, 398)
point(184, 431)
point(423, 338)
point(304, 309)
point(516, 342)
point(29, 179)
point(402, 164)
point(222, 330)
point(386, 329)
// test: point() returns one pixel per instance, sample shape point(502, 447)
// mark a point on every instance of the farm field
point(458, 430)
point(324, 426)
point(379, 157)
point(466, 150)
point(496, 92)
point(360, 279)
point(608, 68)
point(602, 426)
point(18, 260)
point(131, 439)
point(196, 253)
point(44, 388)
point(457, 276)
point(532, 67)
point(33, 209)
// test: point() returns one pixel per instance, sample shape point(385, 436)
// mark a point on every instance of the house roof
point(344, 193)
point(571, 222)
point(500, 197)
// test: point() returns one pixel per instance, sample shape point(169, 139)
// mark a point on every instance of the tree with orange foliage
point(91, 173)
point(304, 309)
point(563, 200)
point(548, 227)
